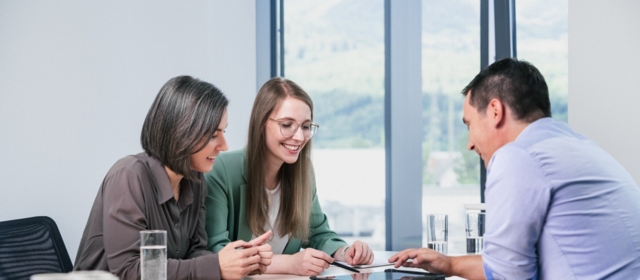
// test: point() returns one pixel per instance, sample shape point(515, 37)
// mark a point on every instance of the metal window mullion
point(403, 122)
point(498, 40)
point(264, 42)
point(505, 29)
point(281, 33)
point(273, 31)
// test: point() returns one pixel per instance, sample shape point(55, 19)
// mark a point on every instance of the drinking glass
point(437, 232)
point(474, 227)
point(76, 275)
point(153, 254)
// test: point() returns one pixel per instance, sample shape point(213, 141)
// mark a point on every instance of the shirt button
point(176, 225)
point(177, 252)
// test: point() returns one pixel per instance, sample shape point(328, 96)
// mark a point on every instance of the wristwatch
point(344, 249)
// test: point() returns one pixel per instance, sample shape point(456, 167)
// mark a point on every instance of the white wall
point(78, 76)
point(604, 71)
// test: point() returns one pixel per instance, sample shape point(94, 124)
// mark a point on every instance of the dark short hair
point(185, 111)
point(516, 83)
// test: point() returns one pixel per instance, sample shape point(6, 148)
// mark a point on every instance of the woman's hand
point(240, 258)
point(309, 262)
point(237, 263)
point(264, 251)
point(358, 253)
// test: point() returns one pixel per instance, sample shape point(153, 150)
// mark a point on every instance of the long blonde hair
point(296, 180)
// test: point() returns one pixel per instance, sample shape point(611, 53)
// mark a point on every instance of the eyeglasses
point(288, 128)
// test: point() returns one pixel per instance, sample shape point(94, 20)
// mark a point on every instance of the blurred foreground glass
point(76, 275)
point(153, 254)
point(437, 232)
point(474, 227)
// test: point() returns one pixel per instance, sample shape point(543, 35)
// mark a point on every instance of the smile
point(291, 147)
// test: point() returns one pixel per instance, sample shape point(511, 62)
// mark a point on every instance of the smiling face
point(482, 137)
point(202, 161)
point(282, 149)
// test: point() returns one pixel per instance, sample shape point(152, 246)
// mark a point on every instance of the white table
point(335, 271)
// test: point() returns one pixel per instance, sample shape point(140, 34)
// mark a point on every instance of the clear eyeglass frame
point(294, 126)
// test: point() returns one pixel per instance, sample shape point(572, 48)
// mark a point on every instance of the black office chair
point(31, 246)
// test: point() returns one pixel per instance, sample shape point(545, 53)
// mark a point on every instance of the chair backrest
point(30, 246)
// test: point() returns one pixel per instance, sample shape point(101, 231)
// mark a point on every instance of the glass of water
point(437, 232)
point(153, 254)
point(474, 226)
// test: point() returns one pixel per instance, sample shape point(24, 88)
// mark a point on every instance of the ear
point(496, 112)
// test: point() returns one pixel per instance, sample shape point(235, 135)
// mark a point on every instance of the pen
point(345, 267)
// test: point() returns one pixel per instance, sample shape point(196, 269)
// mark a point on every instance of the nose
point(471, 146)
point(299, 135)
point(223, 143)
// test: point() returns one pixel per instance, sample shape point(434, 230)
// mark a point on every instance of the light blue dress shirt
point(560, 207)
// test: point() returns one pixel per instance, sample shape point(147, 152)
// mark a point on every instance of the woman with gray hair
point(163, 188)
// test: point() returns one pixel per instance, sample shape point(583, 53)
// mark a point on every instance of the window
point(542, 28)
point(335, 51)
point(450, 60)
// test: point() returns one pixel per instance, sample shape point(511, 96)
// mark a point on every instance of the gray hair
point(185, 111)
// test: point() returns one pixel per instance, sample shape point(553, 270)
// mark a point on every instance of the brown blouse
point(136, 195)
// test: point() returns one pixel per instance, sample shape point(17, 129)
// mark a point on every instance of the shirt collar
point(165, 192)
point(534, 125)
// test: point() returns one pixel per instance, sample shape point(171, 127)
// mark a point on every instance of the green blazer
point(226, 219)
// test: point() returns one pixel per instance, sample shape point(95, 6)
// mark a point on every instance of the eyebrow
point(292, 119)
point(222, 129)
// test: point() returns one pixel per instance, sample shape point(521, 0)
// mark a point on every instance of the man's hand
point(424, 258)
point(469, 267)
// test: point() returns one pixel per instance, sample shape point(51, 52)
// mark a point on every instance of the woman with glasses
point(270, 185)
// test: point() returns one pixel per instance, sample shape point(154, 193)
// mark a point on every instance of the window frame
point(403, 97)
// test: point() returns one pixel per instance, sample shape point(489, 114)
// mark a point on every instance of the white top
point(277, 242)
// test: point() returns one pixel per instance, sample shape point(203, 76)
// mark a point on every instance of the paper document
point(377, 261)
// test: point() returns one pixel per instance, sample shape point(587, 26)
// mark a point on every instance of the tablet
point(389, 274)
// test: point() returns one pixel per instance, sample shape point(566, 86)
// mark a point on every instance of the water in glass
point(440, 246)
point(154, 262)
point(474, 245)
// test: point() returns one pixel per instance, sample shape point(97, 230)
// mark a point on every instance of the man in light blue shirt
point(558, 206)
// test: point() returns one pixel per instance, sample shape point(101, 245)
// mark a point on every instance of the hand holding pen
point(310, 262)
point(344, 266)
